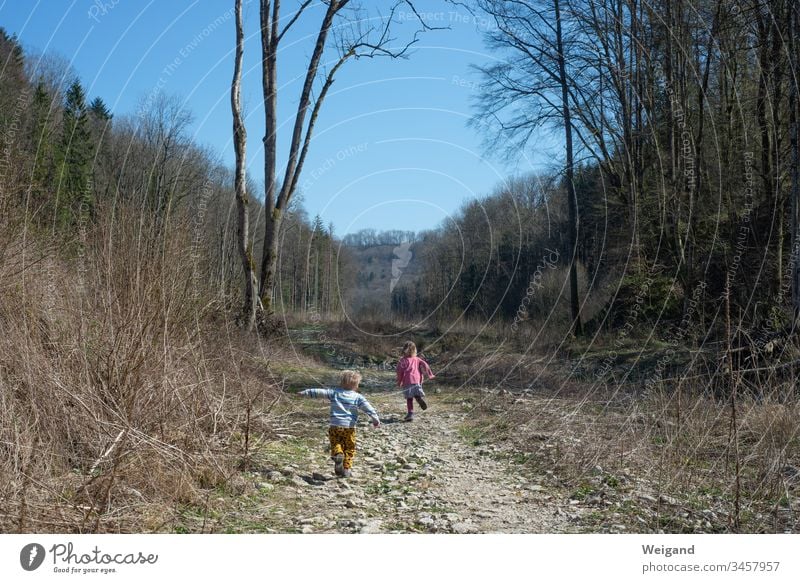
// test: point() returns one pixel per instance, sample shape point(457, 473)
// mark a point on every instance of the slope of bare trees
point(684, 123)
point(127, 391)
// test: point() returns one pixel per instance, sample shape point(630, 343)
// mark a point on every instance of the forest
point(684, 173)
point(150, 294)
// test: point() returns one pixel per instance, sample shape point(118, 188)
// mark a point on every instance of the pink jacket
point(410, 371)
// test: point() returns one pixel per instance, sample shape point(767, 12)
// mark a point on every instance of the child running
point(345, 403)
point(410, 372)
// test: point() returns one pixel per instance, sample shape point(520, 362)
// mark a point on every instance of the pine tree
point(101, 130)
point(12, 79)
point(99, 110)
point(99, 120)
point(77, 149)
point(13, 98)
point(41, 145)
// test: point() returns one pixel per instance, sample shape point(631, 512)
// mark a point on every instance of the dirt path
point(424, 476)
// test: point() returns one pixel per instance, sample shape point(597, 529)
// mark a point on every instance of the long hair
point(409, 349)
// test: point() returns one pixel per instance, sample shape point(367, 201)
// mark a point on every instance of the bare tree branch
point(294, 18)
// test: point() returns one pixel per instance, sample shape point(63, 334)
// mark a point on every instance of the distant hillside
point(379, 269)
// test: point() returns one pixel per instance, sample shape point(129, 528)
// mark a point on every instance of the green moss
point(472, 435)
point(583, 492)
point(520, 458)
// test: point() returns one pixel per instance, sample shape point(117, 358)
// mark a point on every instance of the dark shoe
point(409, 416)
point(422, 404)
point(338, 469)
point(347, 474)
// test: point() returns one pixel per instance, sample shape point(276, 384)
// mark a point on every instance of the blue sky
point(391, 149)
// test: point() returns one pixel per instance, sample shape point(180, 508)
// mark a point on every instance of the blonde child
point(345, 403)
point(410, 372)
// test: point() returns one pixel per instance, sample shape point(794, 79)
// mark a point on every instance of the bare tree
point(344, 20)
point(534, 82)
point(240, 180)
point(162, 125)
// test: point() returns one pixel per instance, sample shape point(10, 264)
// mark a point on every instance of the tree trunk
point(240, 185)
point(269, 40)
point(270, 260)
point(793, 137)
point(307, 274)
point(276, 202)
point(574, 305)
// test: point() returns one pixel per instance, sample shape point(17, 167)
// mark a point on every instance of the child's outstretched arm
point(424, 368)
point(365, 406)
point(315, 393)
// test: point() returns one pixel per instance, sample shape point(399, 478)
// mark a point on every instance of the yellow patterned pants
point(343, 440)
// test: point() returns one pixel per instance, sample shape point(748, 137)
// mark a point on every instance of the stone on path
point(372, 526)
point(298, 481)
point(426, 521)
point(463, 528)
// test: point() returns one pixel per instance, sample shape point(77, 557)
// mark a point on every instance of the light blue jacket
point(344, 405)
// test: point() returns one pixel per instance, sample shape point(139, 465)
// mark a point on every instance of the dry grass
point(119, 397)
point(658, 446)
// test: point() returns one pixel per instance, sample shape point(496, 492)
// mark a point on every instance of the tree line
point(66, 158)
point(679, 176)
point(374, 238)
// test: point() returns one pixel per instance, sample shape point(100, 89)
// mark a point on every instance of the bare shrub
point(665, 445)
point(112, 397)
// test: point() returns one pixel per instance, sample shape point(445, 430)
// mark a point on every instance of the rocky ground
point(439, 474)
point(479, 460)
point(423, 476)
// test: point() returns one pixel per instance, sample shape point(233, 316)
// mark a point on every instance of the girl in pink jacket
point(410, 372)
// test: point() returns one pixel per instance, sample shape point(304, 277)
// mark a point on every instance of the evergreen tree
point(98, 110)
point(77, 149)
point(41, 145)
point(99, 121)
point(101, 130)
point(13, 101)
point(12, 79)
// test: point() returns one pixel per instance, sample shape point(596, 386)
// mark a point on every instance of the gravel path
point(422, 476)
